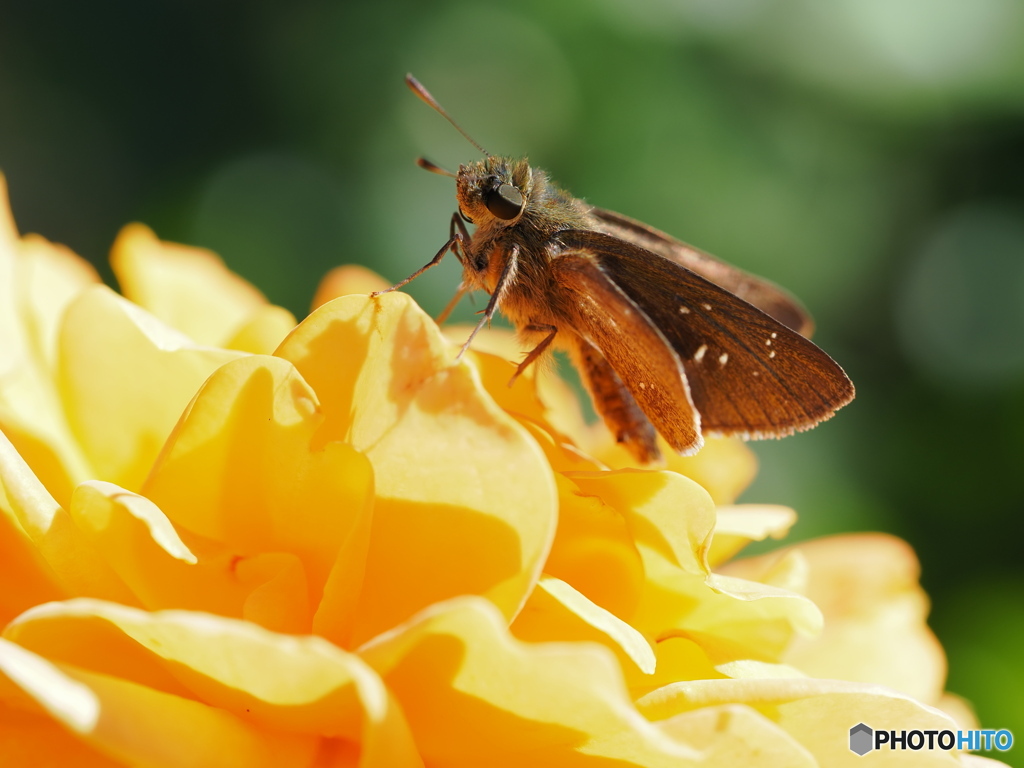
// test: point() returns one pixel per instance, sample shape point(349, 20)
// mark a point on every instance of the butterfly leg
point(508, 274)
point(461, 238)
point(616, 405)
point(457, 250)
point(457, 222)
point(456, 243)
point(536, 351)
point(451, 304)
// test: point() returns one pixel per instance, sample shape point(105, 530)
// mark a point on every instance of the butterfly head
point(495, 190)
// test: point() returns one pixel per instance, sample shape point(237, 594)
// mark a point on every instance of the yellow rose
point(229, 540)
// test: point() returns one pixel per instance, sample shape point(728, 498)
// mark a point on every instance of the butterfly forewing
point(748, 374)
point(592, 306)
point(763, 294)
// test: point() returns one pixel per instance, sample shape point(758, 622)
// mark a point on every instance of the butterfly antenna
point(424, 94)
point(426, 165)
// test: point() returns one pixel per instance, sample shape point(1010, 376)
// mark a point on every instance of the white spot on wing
point(723, 358)
point(772, 353)
point(707, 307)
point(642, 385)
point(768, 342)
point(683, 309)
point(699, 354)
point(775, 335)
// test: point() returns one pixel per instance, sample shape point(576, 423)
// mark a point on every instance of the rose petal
point(248, 681)
point(51, 276)
point(188, 288)
point(23, 502)
point(452, 514)
point(538, 395)
point(57, 558)
point(143, 531)
point(680, 657)
point(556, 611)
point(37, 282)
point(741, 524)
point(732, 735)
point(875, 632)
point(140, 544)
point(762, 618)
point(69, 702)
point(125, 378)
point(594, 551)
point(243, 468)
point(978, 761)
point(959, 710)
point(264, 331)
point(31, 738)
point(724, 467)
point(670, 519)
point(137, 725)
point(473, 695)
point(666, 513)
point(561, 455)
point(749, 668)
point(22, 565)
point(816, 713)
point(345, 280)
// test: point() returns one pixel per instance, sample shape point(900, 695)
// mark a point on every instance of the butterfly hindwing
point(614, 403)
point(590, 304)
point(747, 373)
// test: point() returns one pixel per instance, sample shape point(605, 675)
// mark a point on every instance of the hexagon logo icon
point(861, 739)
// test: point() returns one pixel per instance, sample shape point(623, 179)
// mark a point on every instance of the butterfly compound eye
point(505, 202)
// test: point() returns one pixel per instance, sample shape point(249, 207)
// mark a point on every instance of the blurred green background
point(867, 154)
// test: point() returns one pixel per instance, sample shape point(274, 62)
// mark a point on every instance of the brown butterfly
point(668, 339)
